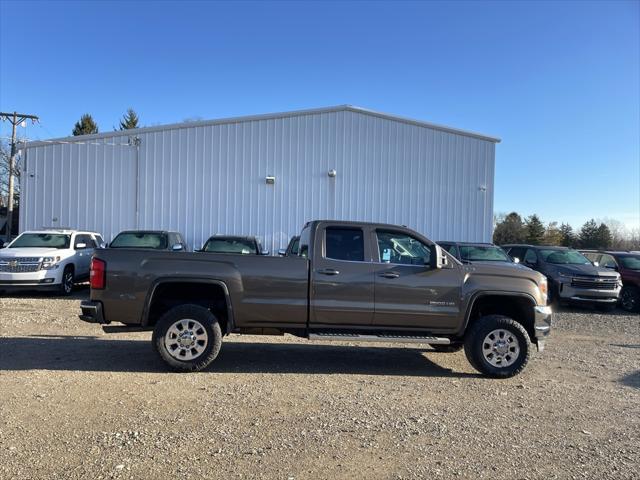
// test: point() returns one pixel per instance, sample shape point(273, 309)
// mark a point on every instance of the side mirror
point(264, 252)
point(516, 260)
point(177, 247)
point(81, 246)
point(103, 245)
point(5, 244)
point(438, 257)
point(596, 264)
point(282, 252)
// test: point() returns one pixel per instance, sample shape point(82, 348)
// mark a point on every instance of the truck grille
point(595, 283)
point(20, 265)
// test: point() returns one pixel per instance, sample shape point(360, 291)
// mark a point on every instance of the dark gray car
point(150, 239)
point(572, 277)
point(470, 252)
point(239, 245)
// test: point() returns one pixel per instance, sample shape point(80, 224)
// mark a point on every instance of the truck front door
point(409, 292)
point(342, 278)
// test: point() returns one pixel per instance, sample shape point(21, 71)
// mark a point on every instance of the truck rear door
point(342, 276)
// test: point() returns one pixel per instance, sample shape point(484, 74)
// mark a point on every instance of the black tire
point(630, 299)
point(200, 358)
point(474, 346)
point(68, 279)
point(456, 347)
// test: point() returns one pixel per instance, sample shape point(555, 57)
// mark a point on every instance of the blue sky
point(559, 82)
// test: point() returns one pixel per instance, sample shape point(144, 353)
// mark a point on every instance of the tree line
point(87, 125)
point(605, 234)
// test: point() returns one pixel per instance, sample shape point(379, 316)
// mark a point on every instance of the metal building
point(265, 175)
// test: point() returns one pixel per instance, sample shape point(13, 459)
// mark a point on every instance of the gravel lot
point(77, 403)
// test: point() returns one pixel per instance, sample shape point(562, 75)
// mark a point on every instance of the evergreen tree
point(129, 120)
point(534, 229)
point(85, 126)
point(589, 234)
point(510, 230)
point(603, 236)
point(568, 237)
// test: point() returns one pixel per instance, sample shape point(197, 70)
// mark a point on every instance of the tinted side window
point(344, 244)
point(530, 256)
point(607, 261)
point(86, 239)
point(452, 249)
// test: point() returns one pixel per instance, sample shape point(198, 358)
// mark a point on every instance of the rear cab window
point(344, 243)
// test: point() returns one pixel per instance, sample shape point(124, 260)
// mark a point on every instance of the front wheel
point(630, 299)
point(188, 338)
point(497, 346)
point(66, 287)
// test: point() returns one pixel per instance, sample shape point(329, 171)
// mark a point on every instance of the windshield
point(42, 240)
point(564, 257)
point(152, 240)
point(632, 262)
point(488, 253)
point(242, 246)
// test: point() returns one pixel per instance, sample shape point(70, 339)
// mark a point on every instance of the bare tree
point(5, 153)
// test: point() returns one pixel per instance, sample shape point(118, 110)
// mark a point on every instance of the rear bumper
point(92, 312)
point(543, 319)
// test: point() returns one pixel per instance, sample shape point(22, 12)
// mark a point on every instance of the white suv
point(47, 259)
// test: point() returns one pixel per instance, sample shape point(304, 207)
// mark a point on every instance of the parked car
point(292, 248)
point(47, 260)
point(150, 239)
point(234, 244)
point(468, 252)
point(627, 264)
point(350, 281)
point(572, 277)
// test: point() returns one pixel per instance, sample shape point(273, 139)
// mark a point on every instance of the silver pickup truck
point(350, 281)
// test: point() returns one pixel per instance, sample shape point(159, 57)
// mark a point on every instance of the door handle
point(328, 271)
point(390, 275)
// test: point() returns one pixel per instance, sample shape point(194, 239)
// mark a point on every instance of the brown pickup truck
point(350, 281)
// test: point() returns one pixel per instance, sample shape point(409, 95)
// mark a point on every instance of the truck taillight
point(97, 277)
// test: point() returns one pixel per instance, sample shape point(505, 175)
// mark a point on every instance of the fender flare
point(492, 293)
point(159, 281)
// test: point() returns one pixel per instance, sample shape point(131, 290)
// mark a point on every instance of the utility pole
point(15, 119)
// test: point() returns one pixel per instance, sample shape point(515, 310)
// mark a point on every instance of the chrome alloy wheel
point(186, 339)
point(501, 348)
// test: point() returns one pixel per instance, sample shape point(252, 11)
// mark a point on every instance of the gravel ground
point(77, 403)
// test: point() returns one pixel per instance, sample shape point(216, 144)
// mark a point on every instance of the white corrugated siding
point(206, 179)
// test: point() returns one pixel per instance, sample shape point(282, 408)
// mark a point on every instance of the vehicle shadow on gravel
point(80, 292)
point(99, 355)
point(631, 380)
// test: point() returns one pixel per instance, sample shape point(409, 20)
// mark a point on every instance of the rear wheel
point(497, 346)
point(630, 299)
point(188, 338)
